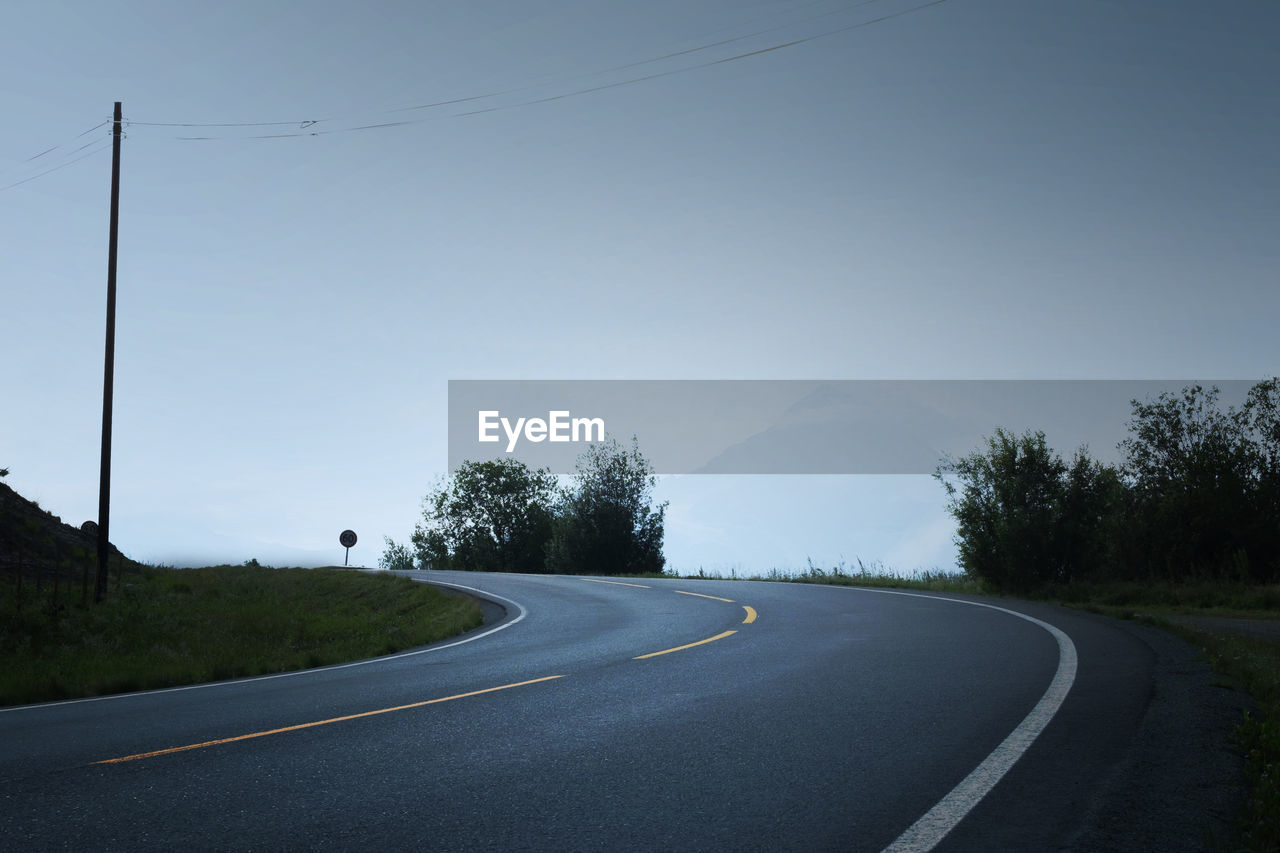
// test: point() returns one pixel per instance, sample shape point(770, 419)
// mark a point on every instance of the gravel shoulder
point(1182, 785)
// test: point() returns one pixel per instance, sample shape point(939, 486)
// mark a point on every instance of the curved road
point(661, 715)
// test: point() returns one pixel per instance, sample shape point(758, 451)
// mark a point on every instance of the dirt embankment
point(35, 537)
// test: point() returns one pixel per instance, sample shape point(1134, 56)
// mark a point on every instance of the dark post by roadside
point(104, 483)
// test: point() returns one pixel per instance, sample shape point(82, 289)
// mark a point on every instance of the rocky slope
point(35, 536)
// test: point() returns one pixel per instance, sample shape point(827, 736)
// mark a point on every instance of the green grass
point(876, 575)
point(1255, 664)
point(863, 574)
point(1198, 597)
point(168, 627)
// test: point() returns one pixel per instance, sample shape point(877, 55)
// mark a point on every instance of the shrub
point(606, 523)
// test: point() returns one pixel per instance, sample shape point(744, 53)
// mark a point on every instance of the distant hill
point(38, 538)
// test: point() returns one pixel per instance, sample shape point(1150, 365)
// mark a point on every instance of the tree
point(488, 516)
point(1090, 518)
point(1205, 497)
point(606, 523)
point(1025, 518)
point(1262, 415)
point(1262, 418)
point(396, 557)
point(1197, 495)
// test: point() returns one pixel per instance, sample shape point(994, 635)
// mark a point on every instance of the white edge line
point(427, 650)
point(933, 825)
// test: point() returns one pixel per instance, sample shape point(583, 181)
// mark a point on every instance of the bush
point(606, 525)
point(395, 557)
point(1025, 518)
point(1205, 486)
point(489, 516)
point(1197, 496)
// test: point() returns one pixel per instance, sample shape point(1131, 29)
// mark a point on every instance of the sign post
point(346, 539)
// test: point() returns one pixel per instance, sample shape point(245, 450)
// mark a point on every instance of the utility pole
point(104, 483)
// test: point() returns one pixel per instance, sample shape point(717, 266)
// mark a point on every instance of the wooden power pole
point(104, 483)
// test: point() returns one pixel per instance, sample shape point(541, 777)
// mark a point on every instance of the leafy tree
point(1090, 520)
point(1205, 498)
point(1025, 518)
point(396, 557)
point(488, 516)
point(1198, 494)
point(606, 523)
point(1262, 416)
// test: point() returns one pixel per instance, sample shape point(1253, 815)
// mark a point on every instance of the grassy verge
point(1255, 665)
point(876, 575)
point(167, 627)
point(862, 574)
point(1202, 598)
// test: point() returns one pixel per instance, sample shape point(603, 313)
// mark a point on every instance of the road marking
point(700, 595)
point(616, 583)
point(313, 670)
point(933, 825)
point(174, 749)
point(751, 615)
point(686, 646)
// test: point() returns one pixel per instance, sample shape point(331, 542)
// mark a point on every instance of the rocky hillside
point(37, 537)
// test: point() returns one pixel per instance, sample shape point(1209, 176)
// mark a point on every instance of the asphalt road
point(777, 717)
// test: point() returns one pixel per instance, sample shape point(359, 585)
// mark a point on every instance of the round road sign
point(347, 538)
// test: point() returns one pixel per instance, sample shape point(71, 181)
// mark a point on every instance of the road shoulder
point(1181, 785)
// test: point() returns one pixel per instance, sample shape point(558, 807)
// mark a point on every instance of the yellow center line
point(686, 646)
point(321, 722)
point(616, 583)
point(700, 595)
point(751, 615)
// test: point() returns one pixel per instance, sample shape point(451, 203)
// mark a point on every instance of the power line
point(303, 124)
point(68, 142)
point(310, 127)
point(723, 42)
point(313, 127)
point(60, 145)
point(710, 63)
point(665, 56)
point(101, 146)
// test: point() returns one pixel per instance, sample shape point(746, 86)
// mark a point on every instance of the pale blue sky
point(979, 189)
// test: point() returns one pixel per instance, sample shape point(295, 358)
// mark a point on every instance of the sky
point(971, 189)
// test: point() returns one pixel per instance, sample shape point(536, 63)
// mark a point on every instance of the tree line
point(503, 516)
point(1196, 496)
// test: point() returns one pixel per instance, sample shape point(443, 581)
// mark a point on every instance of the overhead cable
point(310, 127)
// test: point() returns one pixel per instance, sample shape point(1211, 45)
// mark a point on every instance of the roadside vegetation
point(503, 516)
point(1195, 501)
point(1188, 522)
point(166, 627)
point(1253, 665)
point(873, 573)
